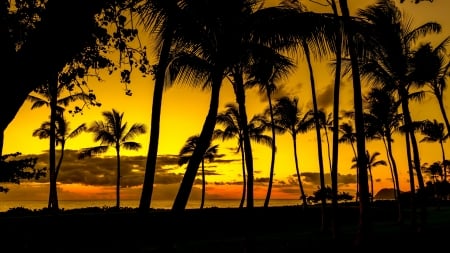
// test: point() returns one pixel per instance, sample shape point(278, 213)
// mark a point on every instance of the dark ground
point(276, 229)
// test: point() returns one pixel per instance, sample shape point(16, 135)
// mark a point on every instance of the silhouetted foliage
point(14, 169)
point(317, 197)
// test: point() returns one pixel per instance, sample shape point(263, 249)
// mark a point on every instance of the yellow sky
point(183, 112)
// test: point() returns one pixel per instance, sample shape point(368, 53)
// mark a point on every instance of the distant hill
point(385, 194)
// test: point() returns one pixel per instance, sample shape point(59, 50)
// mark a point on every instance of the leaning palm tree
point(287, 116)
point(230, 120)
point(433, 131)
point(185, 154)
point(113, 132)
point(164, 19)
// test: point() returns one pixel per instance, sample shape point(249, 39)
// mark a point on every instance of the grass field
point(275, 229)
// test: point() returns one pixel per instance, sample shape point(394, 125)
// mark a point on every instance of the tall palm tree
point(287, 116)
point(50, 95)
point(390, 65)
point(229, 118)
point(113, 132)
point(185, 154)
point(267, 69)
point(433, 131)
point(62, 134)
point(362, 235)
point(163, 18)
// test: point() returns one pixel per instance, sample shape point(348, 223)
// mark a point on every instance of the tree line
point(206, 42)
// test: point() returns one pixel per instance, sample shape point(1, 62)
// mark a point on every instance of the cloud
point(102, 171)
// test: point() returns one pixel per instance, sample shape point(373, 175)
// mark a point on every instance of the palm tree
point(431, 67)
point(162, 17)
point(434, 132)
point(362, 235)
point(63, 134)
point(50, 95)
point(390, 65)
point(185, 154)
point(326, 123)
point(382, 121)
point(372, 162)
point(233, 130)
point(287, 116)
point(268, 68)
point(229, 33)
point(348, 135)
point(113, 132)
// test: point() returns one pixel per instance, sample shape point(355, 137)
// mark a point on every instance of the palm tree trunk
point(150, 166)
point(244, 177)
point(203, 185)
point(396, 180)
point(272, 161)
point(318, 137)
point(364, 204)
point(206, 134)
point(335, 144)
point(416, 157)
point(411, 182)
point(443, 161)
point(299, 178)
point(240, 99)
point(444, 114)
point(118, 177)
point(53, 197)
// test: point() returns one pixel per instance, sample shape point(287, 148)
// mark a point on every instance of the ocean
point(6, 205)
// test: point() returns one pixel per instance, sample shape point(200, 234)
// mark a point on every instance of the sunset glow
point(184, 109)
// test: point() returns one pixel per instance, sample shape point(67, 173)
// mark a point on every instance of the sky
point(184, 109)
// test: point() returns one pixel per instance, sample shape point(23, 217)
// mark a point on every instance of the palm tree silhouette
point(63, 134)
point(185, 154)
point(288, 117)
point(113, 132)
point(50, 95)
point(161, 17)
point(431, 67)
point(382, 121)
point(229, 33)
point(390, 65)
point(348, 135)
point(372, 162)
point(268, 68)
point(434, 132)
point(229, 118)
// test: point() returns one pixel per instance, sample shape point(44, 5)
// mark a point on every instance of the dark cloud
point(102, 171)
point(313, 178)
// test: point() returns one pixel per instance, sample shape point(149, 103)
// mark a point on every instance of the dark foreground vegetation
point(275, 229)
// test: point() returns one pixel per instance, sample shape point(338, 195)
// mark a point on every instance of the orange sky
point(183, 112)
